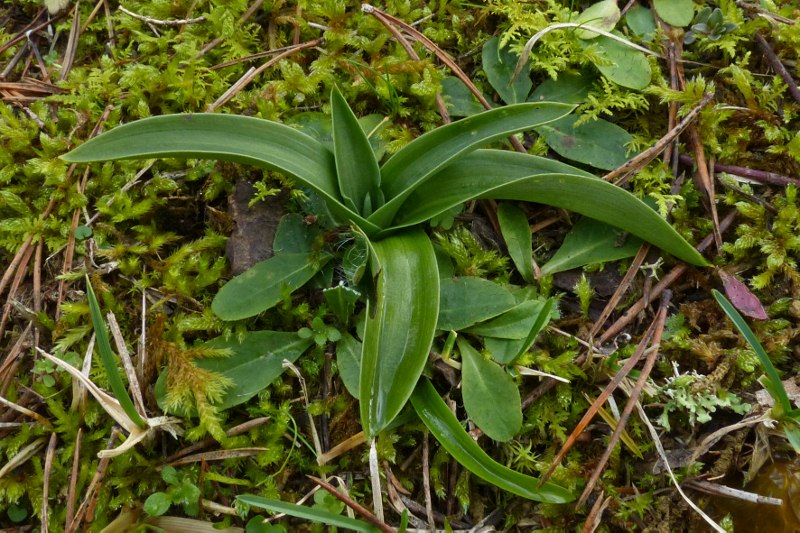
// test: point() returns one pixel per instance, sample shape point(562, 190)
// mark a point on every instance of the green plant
point(709, 23)
point(181, 491)
point(385, 205)
point(783, 412)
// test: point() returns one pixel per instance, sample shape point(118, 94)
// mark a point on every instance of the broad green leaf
point(675, 12)
point(108, 359)
point(628, 67)
point(399, 327)
point(491, 397)
point(235, 138)
point(443, 424)
point(590, 242)
point(348, 360)
point(508, 175)
point(598, 143)
point(294, 236)
point(419, 160)
point(320, 126)
point(313, 514)
point(499, 65)
point(256, 360)
point(356, 167)
point(458, 98)
point(774, 384)
point(602, 15)
point(517, 234)
point(567, 89)
point(263, 285)
point(468, 300)
point(641, 21)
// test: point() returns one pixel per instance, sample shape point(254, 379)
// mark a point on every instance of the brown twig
point(354, 505)
point(666, 281)
point(48, 469)
point(89, 501)
point(251, 74)
point(426, 481)
point(596, 512)
point(623, 286)
point(660, 321)
point(387, 20)
point(639, 162)
point(598, 403)
point(776, 64)
point(236, 430)
point(72, 43)
point(762, 176)
point(30, 29)
point(706, 181)
point(73, 479)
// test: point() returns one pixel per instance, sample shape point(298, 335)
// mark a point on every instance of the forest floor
point(693, 107)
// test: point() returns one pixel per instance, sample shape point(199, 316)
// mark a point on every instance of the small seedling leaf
point(499, 64)
point(157, 504)
point(517, 234)
point(675, 12)
point(598, 143)
point(491, 398)
point(628, 67)
point(590, 242)
point(602, 15)
point(740, 296)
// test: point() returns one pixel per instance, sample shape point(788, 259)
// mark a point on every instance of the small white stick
point(375, 477)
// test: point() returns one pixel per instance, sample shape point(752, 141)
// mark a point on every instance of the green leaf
point(675, 12)
point(516, 323)
point(508, 175)
point(419, 160)
point(491, 397)
point(568, 89)
point(157, 504)
point(309, 513)
point(468, 300)
point(458, 98)
point(499, 65)
point(235, 138)
point(399, 328)
point(356, 167)
point(628, 67)
point(602, 15)
point(598, 143)
point(256, 360)
point(348, 360)
point(590, 242)
point(774, 384)
point(443, 424)
point(294, 236)
point(108, 359)
point(262, 286)
point(641, 21)
point(342, 301)
point(517, 234)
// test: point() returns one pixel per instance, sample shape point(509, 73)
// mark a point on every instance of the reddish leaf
point(741, 297)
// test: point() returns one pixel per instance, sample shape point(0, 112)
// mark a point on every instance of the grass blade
point(239, 139)
point(429, 153)
point(400, 326)
point(356, 167)
point(507, 175)
point(308, 513)
point(109, 362)
point(775, 386)
point(448, 431)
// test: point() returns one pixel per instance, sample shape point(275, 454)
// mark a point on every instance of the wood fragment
point(776, 64)
point(217, 455)
point(729, 492)
point(160, 22)
point(770, 178)
point(73, 479)
point(232, 432)
point(86, 508)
